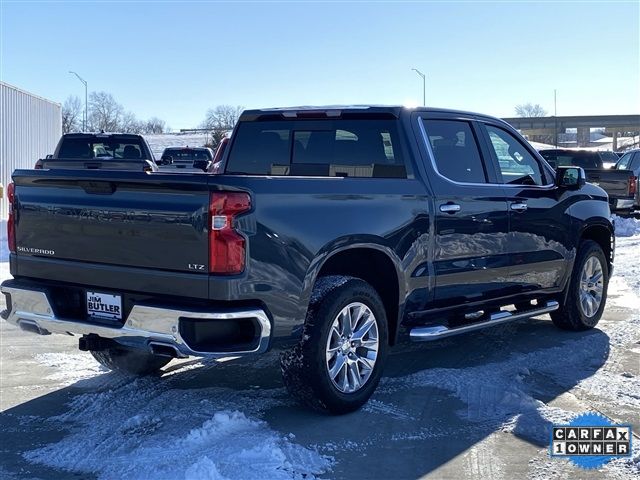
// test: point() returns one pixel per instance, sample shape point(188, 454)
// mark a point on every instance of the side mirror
point(166, 160)
point(570, 177)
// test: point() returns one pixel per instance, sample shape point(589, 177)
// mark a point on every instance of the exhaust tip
point(164, 350)
point(30, 326)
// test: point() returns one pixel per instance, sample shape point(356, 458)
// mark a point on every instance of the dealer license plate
point(104, 305)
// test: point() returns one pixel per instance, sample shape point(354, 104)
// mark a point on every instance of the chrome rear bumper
point(146, 325)
point(623, 204)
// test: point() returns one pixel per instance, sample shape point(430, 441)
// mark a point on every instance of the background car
point(631, 161)
point(199, 158)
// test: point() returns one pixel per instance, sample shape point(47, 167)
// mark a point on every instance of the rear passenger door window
point(516, 164)
point(455, 150)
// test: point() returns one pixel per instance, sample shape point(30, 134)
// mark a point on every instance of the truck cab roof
point(349, 111)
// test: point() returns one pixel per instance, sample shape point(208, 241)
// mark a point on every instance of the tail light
point(226, 245)
point(11, 223)
point(633, 182)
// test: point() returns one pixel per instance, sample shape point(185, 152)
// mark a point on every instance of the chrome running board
point(436, 332)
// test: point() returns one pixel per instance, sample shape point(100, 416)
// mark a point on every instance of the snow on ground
point(541, 146)
point(159, 142)
point(626, 227)
point(623, 144)
point(147, 429)
point(70, 368)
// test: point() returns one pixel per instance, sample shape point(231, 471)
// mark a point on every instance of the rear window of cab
point(335, 148)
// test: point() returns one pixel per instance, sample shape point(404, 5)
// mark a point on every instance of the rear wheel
point(587, 295)
point(130, 361)
point(339, 362)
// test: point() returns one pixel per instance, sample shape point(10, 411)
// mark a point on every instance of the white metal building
point(30, 127)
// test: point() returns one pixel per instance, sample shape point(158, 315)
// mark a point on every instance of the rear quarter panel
point(296, 223)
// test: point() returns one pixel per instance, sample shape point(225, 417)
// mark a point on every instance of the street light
point(555, 115)
point(85, 119)
point(424, 86)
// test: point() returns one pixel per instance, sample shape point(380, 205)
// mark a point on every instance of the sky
point(176, 59)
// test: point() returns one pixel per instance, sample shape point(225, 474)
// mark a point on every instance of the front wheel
point(338, 364)
point(130, 361)
point(587, 295)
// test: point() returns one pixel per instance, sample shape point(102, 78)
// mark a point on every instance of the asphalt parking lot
point(473, 406)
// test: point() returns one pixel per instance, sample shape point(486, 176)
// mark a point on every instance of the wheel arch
point(603, 234)
point(372, 262)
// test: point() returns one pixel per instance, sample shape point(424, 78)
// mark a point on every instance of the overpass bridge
point(613, 125)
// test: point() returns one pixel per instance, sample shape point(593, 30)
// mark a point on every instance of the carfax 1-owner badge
point(591, 440)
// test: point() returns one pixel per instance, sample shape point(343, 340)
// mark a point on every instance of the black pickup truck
point(331, 234)
point(619, 184)
point(104, 151)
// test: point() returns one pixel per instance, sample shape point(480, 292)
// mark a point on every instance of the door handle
point(450, 208)
point(518, 207)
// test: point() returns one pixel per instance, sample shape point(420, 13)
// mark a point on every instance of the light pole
point(85, 119)
point(555, 115)
point(424, 86)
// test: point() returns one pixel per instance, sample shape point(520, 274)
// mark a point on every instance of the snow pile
point(4, 247)
point(149, 428)
point(626, 227)
point(625, 283)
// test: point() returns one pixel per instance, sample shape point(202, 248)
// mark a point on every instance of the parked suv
point(329, 233)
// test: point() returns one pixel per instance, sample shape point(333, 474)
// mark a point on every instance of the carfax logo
point(591, 440)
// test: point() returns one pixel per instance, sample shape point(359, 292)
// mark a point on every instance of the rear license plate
point(104, 305)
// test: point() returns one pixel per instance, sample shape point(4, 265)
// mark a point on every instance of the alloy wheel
point(352, 347)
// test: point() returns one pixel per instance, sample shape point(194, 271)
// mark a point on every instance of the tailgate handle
point(98, 188)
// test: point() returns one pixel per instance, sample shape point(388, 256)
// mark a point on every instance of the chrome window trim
point(432, 157)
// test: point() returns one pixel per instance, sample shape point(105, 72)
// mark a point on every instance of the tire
point(573, 315)
point(130, 361)
point(306, 367)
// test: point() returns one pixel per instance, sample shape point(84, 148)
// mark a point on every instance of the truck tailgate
point(614, 182)
point(126, 219)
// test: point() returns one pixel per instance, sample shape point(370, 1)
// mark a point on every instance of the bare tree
point(220, 120)
point(130, 124)
point(104, 112)
point(71, 115)
point(155, 125)
point(530, 110)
